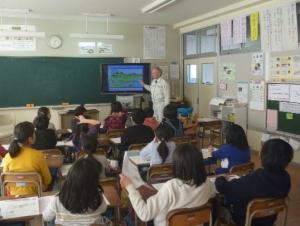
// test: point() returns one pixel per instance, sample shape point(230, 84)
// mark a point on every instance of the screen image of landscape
point(125, 78)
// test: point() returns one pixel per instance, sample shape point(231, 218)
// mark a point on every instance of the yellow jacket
point(28, 160)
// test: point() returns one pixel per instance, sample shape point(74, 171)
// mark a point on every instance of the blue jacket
point(233, 154)
point(259, 184)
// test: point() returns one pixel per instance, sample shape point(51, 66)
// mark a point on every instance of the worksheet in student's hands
point(15, 208)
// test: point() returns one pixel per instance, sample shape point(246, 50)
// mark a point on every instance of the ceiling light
point(87, 35)
point(156, 5)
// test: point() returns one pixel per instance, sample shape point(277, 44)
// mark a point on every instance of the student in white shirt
point(161, 149)
point(80, 201)
point(189, 188)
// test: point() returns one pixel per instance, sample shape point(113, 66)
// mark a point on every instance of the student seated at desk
point(80, 200)
point(22, 158)
point(189, 188)
point(160, 150)
point(150, 120)
point(137, 133)
point(235, 151)
point(89, 146)
point(270, 181)
point(170, 119)
point(44, 138)
point(44, 111)
point(117, 118)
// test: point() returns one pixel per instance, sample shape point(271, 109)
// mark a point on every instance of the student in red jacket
point(117, 118)
point(150, 120)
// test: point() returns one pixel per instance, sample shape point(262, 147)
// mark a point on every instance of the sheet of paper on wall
point(19, 207)
point(104, 48)
point(289, 107)
point(257, 64)
point(174, 71)
point(239, 30)
point(279, 92)
point(222, 85)
point(254, 17)
point(165, 71)
point(154, 42)
point(286, 67)
point(257, 95)
point(295, 144)
point(272, 120)
point(10, 43)
point(289, 26)
point(242, 92)
point(87, 48)
point(296, 66)
point(227, 71)
point(226, 32)
point(295, 93)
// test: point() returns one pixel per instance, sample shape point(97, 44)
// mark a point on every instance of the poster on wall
point(242, 92)
point(154, 42)
point(104, 48)
point(10, 43)
point(87, 48)
point(257, 64)
point(227, 71)
point(257, 95)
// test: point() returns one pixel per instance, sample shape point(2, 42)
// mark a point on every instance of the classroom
point(149, 112)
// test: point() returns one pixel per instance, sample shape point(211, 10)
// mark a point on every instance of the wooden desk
point(112, 195)
point(210, 124)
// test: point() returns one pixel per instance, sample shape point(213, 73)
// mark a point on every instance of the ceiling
point(123, 10)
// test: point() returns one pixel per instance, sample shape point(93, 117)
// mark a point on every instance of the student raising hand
point(124, 181)
point(83, 120)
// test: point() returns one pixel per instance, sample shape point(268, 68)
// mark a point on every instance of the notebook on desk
point(116, 140)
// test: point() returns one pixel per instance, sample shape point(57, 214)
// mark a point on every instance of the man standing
point(160, 92)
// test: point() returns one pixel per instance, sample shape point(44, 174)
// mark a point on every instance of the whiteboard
point(279, 92)
point(295, 93)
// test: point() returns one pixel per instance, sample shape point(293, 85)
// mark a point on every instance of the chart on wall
point(154, 42)
point(283, 107)
point(285, 68)
point(257, 95)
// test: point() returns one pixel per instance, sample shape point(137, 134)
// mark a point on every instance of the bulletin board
point(283, 107)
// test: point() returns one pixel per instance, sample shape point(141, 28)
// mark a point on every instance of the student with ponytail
point(22, 158)
point(160, 150)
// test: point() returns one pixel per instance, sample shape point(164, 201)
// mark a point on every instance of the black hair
point(148, 112)
point(138, 116)
point(81, 190)
point(163, 134)
point(236, 136)
point(41, 122)
point(22, 132)
point(116, 106)
point(43, 111)
point(89, 144)
point(276, 154)
point(170, 111)
point(80, 110)
point(188, 165)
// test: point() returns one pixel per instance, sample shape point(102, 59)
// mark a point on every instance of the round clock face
point(55, 42)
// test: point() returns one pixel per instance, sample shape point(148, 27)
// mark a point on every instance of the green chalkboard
point(52, 80)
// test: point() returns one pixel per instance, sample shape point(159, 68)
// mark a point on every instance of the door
point(200, 83)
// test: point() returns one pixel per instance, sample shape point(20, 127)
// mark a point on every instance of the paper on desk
point(294, 143)
point(63, 143)
point(65, 169)
point(15, 208)
point(137, 160)
point(116, 140)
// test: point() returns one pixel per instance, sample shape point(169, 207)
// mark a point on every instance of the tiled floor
point(294, 196)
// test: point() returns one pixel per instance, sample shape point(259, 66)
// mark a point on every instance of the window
point(191, 73)
point(191, 45)
point(208, 74)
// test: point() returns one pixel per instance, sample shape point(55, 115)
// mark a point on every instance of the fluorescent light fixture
point(15, 11)
point(22, 34)
point(156, 5)
point(87, 35)
point(96, 36)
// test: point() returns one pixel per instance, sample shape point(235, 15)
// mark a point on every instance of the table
point(210, 124)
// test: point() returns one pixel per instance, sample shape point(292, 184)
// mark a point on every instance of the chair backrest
point(264, 207)
point(54, 157)
point(181, 140)
point(137, 146)
point(114, 133)
point(160, 173)
point(19, 179)
point(242, 169)
point(190, 216)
